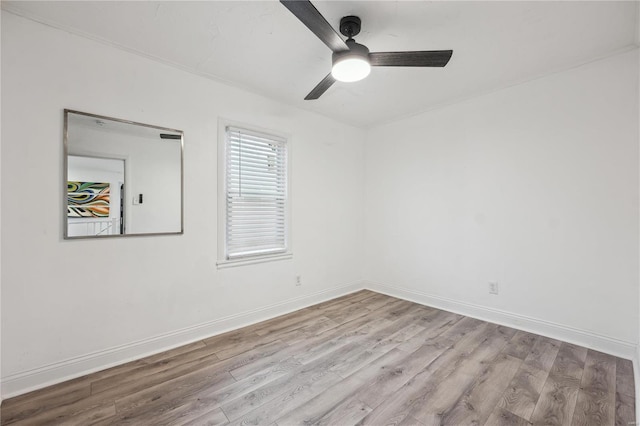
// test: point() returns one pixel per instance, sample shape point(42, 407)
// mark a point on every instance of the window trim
point(222, 260)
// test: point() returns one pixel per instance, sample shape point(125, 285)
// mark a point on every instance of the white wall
point(1, 395)
point(636, 363)
point(534, 186)
point(166, 290)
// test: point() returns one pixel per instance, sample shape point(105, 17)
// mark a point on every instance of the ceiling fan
point(353, 61)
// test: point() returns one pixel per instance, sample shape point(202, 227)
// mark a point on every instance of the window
point(256, 202)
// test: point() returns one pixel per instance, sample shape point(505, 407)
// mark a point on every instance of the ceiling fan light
point(351, 68)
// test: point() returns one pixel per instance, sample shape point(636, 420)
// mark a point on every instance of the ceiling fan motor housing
point(351, 65)
point(355, 49)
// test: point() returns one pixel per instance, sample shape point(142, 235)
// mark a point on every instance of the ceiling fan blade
point(424, 58)
point(320, 88)
point(309, 15)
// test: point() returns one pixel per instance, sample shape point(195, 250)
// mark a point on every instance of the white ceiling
point(262, 47)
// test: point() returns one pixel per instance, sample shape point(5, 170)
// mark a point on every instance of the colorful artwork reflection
point(87, 199)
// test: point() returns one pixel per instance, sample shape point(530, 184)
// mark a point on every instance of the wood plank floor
point(365, 359)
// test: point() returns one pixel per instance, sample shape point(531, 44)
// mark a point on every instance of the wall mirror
point(121, 178)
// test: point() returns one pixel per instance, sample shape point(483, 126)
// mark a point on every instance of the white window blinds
point(256, 193)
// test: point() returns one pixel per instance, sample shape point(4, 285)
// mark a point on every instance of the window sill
point(221, 264)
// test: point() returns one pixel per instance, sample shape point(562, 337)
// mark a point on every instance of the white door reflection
point(95, 196)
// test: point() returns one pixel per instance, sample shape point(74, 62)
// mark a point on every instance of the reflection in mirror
point(122, 178)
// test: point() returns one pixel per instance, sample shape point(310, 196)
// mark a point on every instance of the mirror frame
point(65, 230)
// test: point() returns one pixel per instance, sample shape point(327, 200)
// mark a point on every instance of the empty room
point(319, 212)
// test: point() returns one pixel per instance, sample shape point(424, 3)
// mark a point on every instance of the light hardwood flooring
point(364, 358)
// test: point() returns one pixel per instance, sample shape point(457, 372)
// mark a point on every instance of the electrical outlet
point(298, 280)
point(493, 287)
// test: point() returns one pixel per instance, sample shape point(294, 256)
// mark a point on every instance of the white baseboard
point(619, 348)
point(27, 381)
